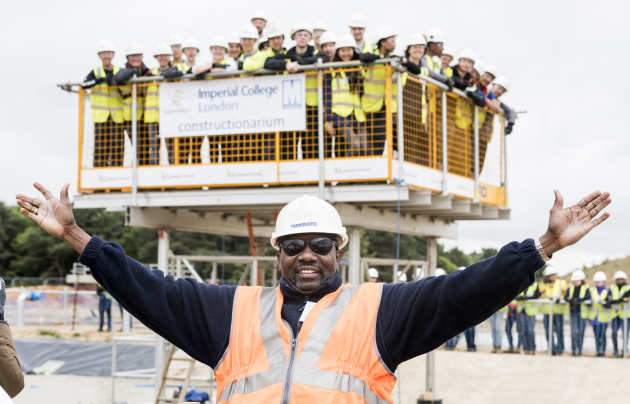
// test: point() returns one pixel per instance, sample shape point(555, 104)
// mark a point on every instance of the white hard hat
point(273, 31)
point(620, 275)
point(344, 41)
point(434, 35)
point(308, 214)
point(134, 48)
point(416, 39)
point(301, 26)
point(248, 32)
point(490, 69)
point(260, 14)
point(327, 37)
point(440, 272)
point(402, 277)
point(467, 54)
point(599, 276)
point(218, 40)
point(162, 49)
point(503, 82)
point(105, 46)
point(320, 24)
point(176, 39)
point(357, 21)
point(578, 275)
point(549, 270)
point(191, 42)
point(447, 51)
point(385, 32)
point(234, 38)
point(372, 273)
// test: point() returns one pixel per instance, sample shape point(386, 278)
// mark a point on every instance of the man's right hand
point(292, 67)
point(54, 215)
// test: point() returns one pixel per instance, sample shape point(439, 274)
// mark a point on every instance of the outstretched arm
point(417, 317)
point(194, 316)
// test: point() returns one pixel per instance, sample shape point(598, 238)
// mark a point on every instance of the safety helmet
point(620, 275)
point(234, 38)
point(549, 270)
point(176, 39)
point(357, 21)
point(134, 48)
point(218, 40)
point(320, 24)
point(327, 37)
point(490, 69)
point(105, 46)
point(301, 26)
point(372, 273)
point(273, 31)
point(402, 277)
point(599, 276)
point(448, 52)
point(503, 82)
point(162, 49)
point(191, 42)
point(260, 14)
point(440, 272)
point(578, 275)
point(416, 39)
point(308, 214)
point(434, 35)
point(385, 32)
point(248, 32)
point(467, 54)
point(344, 41)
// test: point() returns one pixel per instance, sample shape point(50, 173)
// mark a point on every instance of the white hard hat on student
point(373, 273)
point(578, 275)
point(308, 214)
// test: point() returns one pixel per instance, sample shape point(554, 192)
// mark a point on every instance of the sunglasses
point(319, 245)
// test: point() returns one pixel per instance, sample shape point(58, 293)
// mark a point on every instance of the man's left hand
point(568, 225)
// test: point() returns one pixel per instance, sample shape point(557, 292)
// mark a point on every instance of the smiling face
point(307, 270)
point(276, 43)
point(328, 49)
point(302, 38)
point(345, 53)
point(218, 53)
point(135, 60)
point(357, 33)
point(106, 57)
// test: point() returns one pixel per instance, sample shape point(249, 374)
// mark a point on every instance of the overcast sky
point(564, 59)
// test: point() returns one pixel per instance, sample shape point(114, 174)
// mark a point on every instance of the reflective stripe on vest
point(334, 358)
point(105, 100)
point(345, 102)
point(433, 65)
point(598, 311)
point(126, 90)
point(617, 292)
point(311, 89)
point(583, 307)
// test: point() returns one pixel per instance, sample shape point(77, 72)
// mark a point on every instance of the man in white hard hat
point(318, 29)
point(220, 62)
point(432, 59)
point(259, 21)
point(372, 275)
point(619, 293)
point(190, 47)
point(554, 288)
point(600, 313)
point(500, 86)
point(248, 38)
point(234, 46)
point(275, 57)
point(357, 29)
point(577, 296)
point(446, 58)
point(134, 67)
point(176, 48)
point(107, 106)
point(292, 342)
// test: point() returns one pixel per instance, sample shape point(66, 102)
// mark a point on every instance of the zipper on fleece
point(286, 389)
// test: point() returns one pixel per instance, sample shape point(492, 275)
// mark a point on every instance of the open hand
point(567, 226)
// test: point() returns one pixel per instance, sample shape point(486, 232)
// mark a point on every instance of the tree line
point(27, 251)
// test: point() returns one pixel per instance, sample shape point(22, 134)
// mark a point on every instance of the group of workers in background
point(352, 99)
point(598, 305)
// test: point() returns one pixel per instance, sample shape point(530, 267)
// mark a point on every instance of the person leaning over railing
point(578, 295)
point(446, 58)
point(357, 29)
point(190, 47)
point(529, 310)
point(600, 312)
point(11, 377)
point(345, 119)
point(176, 48)
point(149, 139)
point(220, 62)
point(134, 67)
point(500, 86)
point(617, 292)
point(106, 104)
point(462, 71)
point(432, 59)
point(234, 46)
point(414, 89)
point(248, 38)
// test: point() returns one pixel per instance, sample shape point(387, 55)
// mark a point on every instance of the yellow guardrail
point(356, 130)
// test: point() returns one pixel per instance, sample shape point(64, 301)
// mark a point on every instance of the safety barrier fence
point(564, 328)
point(351, 130)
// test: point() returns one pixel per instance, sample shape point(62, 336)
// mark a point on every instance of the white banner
point(232, 106)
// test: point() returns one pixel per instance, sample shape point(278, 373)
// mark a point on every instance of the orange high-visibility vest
point(334, 359)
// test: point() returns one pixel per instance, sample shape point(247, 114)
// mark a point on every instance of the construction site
point(281, 166)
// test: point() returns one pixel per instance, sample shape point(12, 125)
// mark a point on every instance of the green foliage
point(49, 333)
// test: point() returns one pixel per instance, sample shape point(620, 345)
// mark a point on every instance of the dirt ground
point(461, 377)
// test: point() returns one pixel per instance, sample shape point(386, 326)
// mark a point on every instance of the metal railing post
point(624, 324)
point(550, 328)
point(134, 146)
point(389, 123)
point(444, 146)
point(320, 130)
point(399, 123)
point(505, 160)
point(476, 151)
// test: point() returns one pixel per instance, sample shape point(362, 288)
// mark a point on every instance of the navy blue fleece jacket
point(413, 317)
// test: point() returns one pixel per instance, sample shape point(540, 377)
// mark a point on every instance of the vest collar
point(330, 285)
